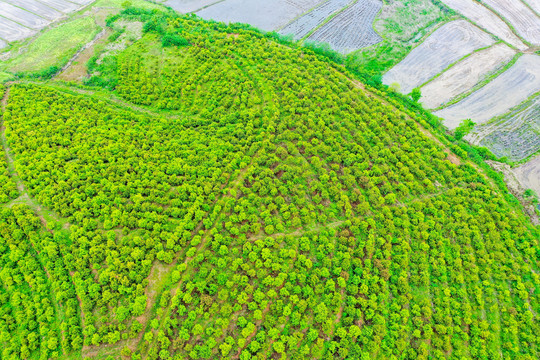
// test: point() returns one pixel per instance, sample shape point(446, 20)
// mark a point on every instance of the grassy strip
point(482, 83)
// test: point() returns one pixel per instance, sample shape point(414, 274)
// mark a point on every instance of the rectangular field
point(529, 174)
point(35, 7)
point(496, 98)
point(21, 16)
point(486, 19)
point(464, 75)
point(187, 6)
point(303, 25)
point(266, 15)
point(445, 46)
point(526, 22)
point(351, 29)
point(11, 31)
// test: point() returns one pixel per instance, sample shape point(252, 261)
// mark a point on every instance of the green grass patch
point(4, 76)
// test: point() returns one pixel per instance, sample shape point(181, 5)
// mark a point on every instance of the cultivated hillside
point(214, 193)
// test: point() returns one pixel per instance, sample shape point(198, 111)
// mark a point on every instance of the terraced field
point(523, 19)
point(516, 135)
point(465, 74)
point(487, 20)
point(503, 93)
point(267, 15)
point(351, 29)
point(346, 25)
point(302, 26)
point(492, 86)
point(445, 46)
point(20, 19)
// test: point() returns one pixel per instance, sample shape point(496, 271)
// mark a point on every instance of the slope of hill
point(213, 193)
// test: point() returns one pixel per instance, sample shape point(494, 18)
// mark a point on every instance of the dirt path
point(75, 69)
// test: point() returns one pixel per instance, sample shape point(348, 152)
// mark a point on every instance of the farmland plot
point(352, 29)
point(445, 46)
point(515, 135)
point(61, 5)
point(11, 31)
point(21, 16)
point(303, 25)
point(187, 6)
point(266, 15)
point(35, 7)
point(503, 93)
point(464, 75)
point(534, 4)
point(526, 22)
point(486, 19)
point(403, 21)
point(529, 174)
